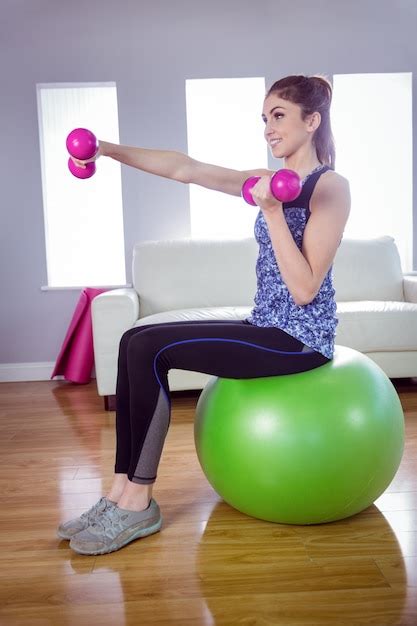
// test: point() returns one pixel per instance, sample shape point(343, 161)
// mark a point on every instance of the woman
point(290, 329)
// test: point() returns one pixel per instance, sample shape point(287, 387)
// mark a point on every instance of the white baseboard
point(28, 372)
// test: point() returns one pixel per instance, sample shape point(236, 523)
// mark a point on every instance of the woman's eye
point(276, 116)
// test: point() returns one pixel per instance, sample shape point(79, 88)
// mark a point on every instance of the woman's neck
point(303, 164)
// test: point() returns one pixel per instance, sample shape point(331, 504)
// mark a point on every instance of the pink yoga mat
point(76, 358)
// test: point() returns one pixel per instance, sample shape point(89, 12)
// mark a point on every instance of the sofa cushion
point(365, 326)
point(377, 326)
point(187, 315)
point(368, 269)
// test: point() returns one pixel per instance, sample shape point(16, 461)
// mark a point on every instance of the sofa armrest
point(112, 313)
point(410, 287)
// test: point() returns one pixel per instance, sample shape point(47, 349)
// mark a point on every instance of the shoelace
point(109, 523)
point(101, 505)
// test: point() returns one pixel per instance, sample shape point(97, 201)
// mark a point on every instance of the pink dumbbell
point(285, 186)
point(82, 144)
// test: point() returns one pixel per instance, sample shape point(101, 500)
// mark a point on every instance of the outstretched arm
point(179, 166)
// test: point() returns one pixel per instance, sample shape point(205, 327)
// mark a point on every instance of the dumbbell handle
point(285, 186)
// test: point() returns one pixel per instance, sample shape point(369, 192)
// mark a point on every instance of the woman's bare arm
point(304, 270)
point(180, 167)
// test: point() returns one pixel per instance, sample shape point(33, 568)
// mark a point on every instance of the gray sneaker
point(117, 527)
point(67, 530)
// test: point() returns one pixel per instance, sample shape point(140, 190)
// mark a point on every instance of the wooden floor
point(210, 564)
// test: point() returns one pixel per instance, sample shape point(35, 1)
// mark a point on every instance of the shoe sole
point(144, 532)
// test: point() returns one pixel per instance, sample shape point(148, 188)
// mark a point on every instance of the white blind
point(83, 218)
point(224, 127)
point(372, 126)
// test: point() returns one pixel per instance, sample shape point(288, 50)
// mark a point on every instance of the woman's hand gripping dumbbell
point(285, 186)
point(82, 145)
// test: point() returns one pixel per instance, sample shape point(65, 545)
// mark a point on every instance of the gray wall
point(149, 49)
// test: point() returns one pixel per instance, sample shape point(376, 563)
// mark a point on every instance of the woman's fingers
point(79, 163)
point(262, 189)
point(82, 163)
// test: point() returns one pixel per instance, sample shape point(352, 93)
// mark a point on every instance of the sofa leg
point(109, 403)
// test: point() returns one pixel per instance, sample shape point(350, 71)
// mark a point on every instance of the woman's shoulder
point(332, 180)
point(332, 188)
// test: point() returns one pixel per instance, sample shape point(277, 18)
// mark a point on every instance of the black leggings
point(225, 348)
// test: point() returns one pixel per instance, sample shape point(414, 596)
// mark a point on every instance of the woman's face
point(285, 131)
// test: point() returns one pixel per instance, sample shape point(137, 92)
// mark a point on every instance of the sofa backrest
point(188, 273)
point(368, 269)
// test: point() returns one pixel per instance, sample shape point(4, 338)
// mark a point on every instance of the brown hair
point(311, 93)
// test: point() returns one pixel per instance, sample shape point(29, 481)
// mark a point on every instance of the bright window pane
point(225, 128)
point(372, 126)
point(83, 218)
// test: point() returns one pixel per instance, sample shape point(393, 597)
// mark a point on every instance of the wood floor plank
point(210, 564)
point(342, 608)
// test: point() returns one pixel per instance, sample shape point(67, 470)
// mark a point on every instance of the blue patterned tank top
point(315, 323)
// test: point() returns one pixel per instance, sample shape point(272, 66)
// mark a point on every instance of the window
point(83, 218)
point(372, 126)
point(225, 128)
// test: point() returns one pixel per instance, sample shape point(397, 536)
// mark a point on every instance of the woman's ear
point(313, 121)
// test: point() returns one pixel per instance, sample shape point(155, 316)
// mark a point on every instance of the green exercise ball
point(304, 448)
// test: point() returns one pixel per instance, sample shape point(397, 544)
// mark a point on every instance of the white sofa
point(192, 279)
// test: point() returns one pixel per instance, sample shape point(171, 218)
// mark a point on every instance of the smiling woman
point(296, 114)
point(293, 101)
point(291, 328)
